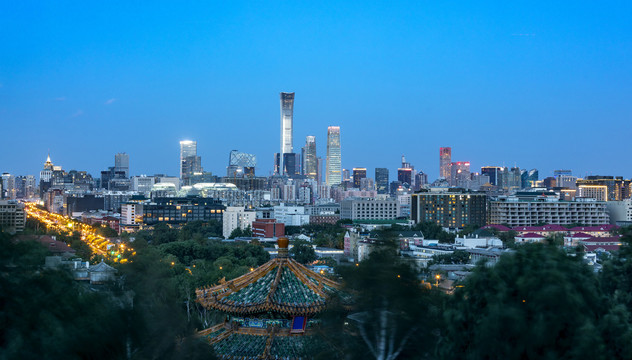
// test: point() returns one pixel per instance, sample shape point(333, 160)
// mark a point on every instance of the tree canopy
point(538, 302)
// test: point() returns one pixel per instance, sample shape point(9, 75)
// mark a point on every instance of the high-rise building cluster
point(307, 188)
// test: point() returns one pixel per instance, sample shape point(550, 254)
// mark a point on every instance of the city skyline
point(503, 85)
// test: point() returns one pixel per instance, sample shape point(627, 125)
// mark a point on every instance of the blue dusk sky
point(537, 84)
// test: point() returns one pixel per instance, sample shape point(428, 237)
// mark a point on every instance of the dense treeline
point(45, 314)
point(538, 302)
point(149, 313)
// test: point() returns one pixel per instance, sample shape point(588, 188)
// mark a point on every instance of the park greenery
point(540, 301)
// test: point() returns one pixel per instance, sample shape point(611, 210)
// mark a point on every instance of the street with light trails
point(99, 244)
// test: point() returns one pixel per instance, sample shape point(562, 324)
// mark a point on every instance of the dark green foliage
point(196, 230)
point(159, 324)
point(105, 231)
point(45, 314)
point(434, 231)
point(468, 229)
point(161, 234)
point(303, 252)
point(555, 239)
point(82, 249)
point(201, 230)
point(457, 257)
point(238, 232)
point(326, 235)
point(507, 237)
point(384, 288)
point(538, 303)
point(616, 283)
point(187, 252)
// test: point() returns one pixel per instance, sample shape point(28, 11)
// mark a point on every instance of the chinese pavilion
point(270, 311)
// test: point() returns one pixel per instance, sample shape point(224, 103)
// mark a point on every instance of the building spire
point(48, 164)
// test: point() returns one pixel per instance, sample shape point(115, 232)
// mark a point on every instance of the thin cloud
point(110, 101)
point(61, 98)
point(523, 34)
point(77, 113)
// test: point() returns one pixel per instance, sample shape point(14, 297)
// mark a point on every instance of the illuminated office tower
point(460, 174)
point(445, 160)
point(121, 163)
point(614, 188)
point(190, 163)
point(405, 176)
point(358, 175)
point(494, 173)
point(381, 180)
point(287, 119)
point(310, 160)
point(346, 175)
point(334, 163)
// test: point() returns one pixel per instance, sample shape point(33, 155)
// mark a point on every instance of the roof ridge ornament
point(283, 244)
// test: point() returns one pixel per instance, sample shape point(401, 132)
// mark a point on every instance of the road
point(98, 244)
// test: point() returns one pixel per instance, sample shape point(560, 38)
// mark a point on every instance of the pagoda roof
point(281, 285)
point(248, 343)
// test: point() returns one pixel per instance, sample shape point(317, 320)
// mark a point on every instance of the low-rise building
point(449, 208)
point(369, 209)
point(101, 273)
point(291, 215)
point(620, 212)
point(602, 244)
point(237, 217)
point(267, 228)
point(131, 216)
point(182, 210)
point(12, 216)
point(529, 238)
point(537, 209)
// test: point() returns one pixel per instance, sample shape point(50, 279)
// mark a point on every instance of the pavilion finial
point(283, 243)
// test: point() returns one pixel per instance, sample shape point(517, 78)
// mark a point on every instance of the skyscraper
point(121, 163)
point(445, 160)
point(287, 120)
point(358, 175)
point(459, 174)
point(346, 175)
point(405, 176)
point(190, 163)
point(381, 180)
point(334, 163)
point(493, 172)
point(310, 160)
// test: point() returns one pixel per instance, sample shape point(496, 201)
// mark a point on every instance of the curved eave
point(216, 297)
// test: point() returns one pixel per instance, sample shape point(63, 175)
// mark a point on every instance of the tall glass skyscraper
point(310, 160)
point(445, 161)
point(334, 163)
point(121, 163)
point(287, 120)
point(189, 161)
point(381, 180)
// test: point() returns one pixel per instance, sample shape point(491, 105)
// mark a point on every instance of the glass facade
point(445, 160)
point(287, 119)
point(334, 163)
point(188, 149)
point(381, 180)
point(310, 162)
